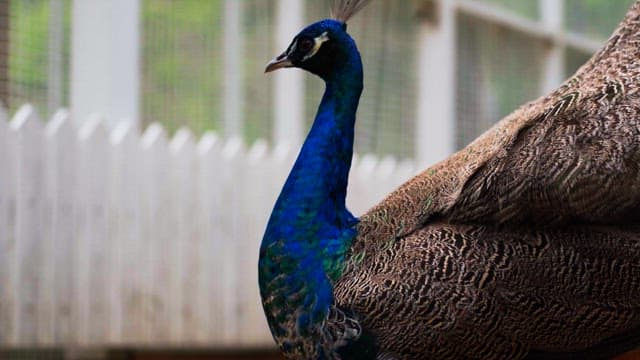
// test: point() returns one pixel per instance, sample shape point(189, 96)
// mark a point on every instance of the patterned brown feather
point(470, 291)
point(527, 240)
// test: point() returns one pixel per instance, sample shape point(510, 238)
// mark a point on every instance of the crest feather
point(343, 10)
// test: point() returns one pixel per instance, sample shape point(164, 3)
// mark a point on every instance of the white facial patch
point(318, 41)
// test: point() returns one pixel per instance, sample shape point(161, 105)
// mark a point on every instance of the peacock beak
point(281, 61)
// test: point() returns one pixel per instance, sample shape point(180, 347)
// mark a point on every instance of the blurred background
point(186, 78)
point(502, 52)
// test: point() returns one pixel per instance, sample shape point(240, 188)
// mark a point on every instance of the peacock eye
point(305, 45)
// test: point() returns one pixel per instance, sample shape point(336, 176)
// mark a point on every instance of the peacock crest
point(343, 10)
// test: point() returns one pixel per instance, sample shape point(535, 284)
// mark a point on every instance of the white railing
point(109, 238)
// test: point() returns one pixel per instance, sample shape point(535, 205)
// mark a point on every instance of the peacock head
point(325, 47)
point(321, 48)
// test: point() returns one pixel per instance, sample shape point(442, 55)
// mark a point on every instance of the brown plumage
point(525, 244)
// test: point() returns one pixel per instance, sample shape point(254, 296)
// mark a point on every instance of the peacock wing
point(572, 155)
point(582, 165)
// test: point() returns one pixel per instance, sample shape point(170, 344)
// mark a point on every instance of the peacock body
point(525, 244)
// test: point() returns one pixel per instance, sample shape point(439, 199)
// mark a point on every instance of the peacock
point(523, 245)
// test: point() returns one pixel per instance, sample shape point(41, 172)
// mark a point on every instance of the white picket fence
point(111, 238)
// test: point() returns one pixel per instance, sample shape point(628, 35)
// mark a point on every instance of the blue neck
point(320, 174)
point(310, 228)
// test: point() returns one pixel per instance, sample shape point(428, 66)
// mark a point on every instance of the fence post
point(27, 262)
point(288, 85)
point(257, 202)
point(124, 228)
point(186, 319)
point(435, 135)
point(59, 191)
point(105, 60)
point(155, 238)
point(209, 207)
point(92, 223)
point(7, 225)
point(233, 45)
point(232, 170)
point(552, 15)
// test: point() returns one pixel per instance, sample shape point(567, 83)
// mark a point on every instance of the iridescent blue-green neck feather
point(310, 229)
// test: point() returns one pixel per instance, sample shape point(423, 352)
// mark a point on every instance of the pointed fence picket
point(230, 174)
point(156, 226)
point(7, 225)
point(115, 239)
point(256, 206)
point(211, 314)
point(93, 274)
point(123, 226)
point(58, 237)
point(125, 212)
point(186, 325)
point(27, 270)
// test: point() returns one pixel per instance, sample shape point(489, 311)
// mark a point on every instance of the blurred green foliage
point(181, 63)
point(259, 47)
point(29, 50)
point(28, 45)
